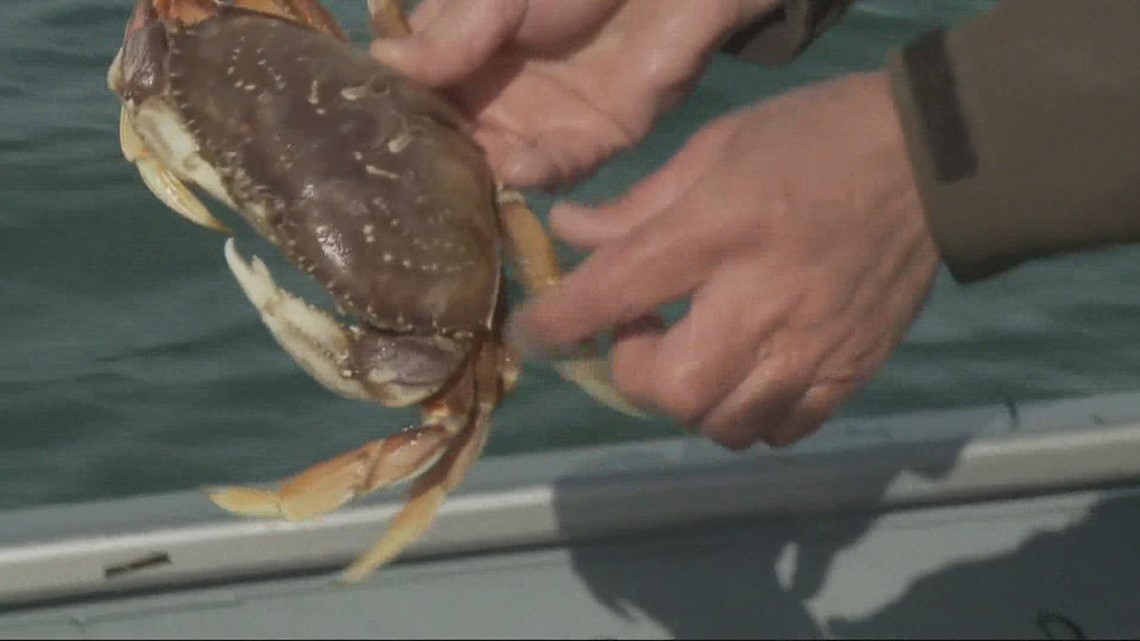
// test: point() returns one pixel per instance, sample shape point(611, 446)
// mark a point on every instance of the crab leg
point(431, 489)
point(536, 262)
point(445, 445)
point(379, 464)
point(439, 453)
point(388, 19)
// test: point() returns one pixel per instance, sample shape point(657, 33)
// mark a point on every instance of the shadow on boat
point(769, 577)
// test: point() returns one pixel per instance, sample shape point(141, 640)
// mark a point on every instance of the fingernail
point(525, 167)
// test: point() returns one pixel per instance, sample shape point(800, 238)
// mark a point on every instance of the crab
point(373, 185)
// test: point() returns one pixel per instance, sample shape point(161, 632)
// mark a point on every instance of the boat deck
point(1004, 521)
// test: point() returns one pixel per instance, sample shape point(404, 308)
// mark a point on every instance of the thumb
point(460, 37)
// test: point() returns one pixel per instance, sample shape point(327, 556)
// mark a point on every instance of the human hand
point(796, 228)
point(555, 88)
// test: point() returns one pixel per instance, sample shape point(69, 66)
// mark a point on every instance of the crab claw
point(392, 370)
point(310, 335)
point(158, 178)
point(161, 182)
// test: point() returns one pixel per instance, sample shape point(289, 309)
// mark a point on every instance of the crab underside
point(371, 184)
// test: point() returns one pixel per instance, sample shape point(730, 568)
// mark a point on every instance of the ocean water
point(130, 362)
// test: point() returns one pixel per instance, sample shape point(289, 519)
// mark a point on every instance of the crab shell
point(363, 178)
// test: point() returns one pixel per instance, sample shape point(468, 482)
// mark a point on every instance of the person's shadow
point(755, 577)
point(734, 579)
point(1079, 582)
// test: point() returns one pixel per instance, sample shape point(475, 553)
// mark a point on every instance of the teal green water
point(130, 362)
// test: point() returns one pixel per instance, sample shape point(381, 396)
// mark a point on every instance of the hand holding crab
point(803, 272)
point(555, 88)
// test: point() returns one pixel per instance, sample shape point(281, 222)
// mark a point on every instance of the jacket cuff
point(1021, 129)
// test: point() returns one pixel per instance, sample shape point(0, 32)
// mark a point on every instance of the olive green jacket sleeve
point(1022, 125)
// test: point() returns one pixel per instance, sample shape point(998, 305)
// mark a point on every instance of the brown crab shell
point(363, 178)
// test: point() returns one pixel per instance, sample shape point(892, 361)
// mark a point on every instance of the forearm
point(1023, 128)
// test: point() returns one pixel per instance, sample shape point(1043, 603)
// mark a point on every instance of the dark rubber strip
point(935, 95)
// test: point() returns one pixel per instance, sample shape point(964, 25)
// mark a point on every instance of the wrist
point(899, 179)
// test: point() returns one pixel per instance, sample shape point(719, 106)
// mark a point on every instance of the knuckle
point(683, 390)
point(786, 381)
point(820, 403)
point(629, 384)
point(627, 372)
point(667, 74)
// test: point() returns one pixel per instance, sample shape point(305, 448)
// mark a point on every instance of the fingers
point(705, 355)
point(552, 160)
point(777, 406)
point(585, 228)
point(654, 265)
point(731, 370)
point(656, 251)
point(732, 393)
point(451, 40)
point(631, 361)
point(820, 402)
point(761, 404)
point(589, 227)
